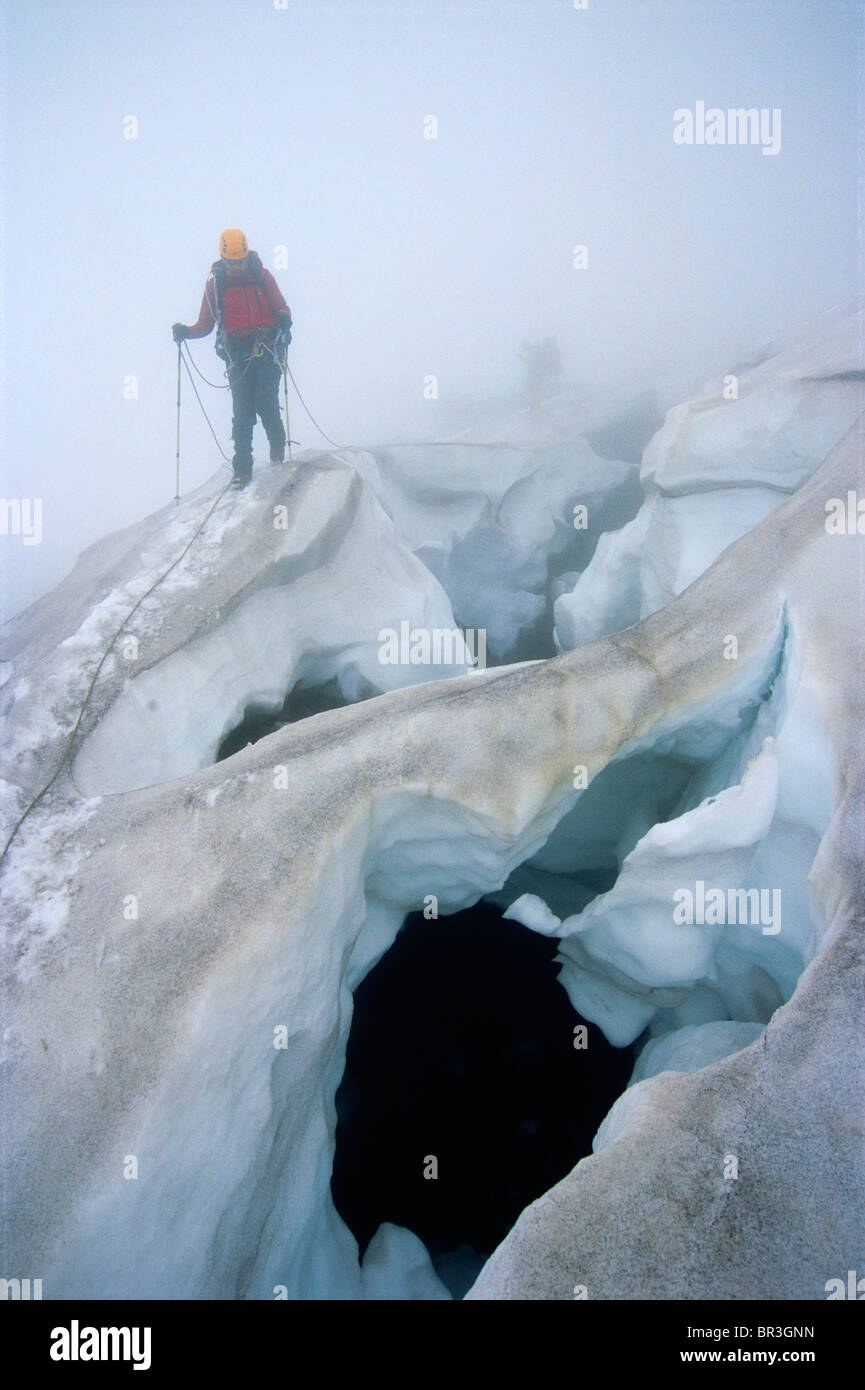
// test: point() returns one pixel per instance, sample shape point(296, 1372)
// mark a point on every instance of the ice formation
point(719, 464)
point(183, 937)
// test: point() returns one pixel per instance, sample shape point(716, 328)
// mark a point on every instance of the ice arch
point(311, 615)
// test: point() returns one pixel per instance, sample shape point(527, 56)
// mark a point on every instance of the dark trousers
point(254, 392)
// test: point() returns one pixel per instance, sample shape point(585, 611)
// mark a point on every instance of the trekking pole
point(177, 455)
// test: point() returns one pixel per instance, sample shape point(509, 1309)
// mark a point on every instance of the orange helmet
point(232, 245)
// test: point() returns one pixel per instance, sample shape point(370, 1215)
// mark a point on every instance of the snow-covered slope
point(183, 938)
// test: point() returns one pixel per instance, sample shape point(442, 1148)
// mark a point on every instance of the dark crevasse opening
point(462, 1051)
point(301, 702)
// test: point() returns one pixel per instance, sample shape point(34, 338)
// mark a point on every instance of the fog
point(406, 256)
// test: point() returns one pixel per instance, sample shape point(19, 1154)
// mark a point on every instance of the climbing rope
point(284, 364)
point(187, 362)
point(203, 411)
point(451, 444)
point(136, 605)
point(164, 575)
point(217, 385)
point(398, 444)
point(412, 443)
point(311, 416)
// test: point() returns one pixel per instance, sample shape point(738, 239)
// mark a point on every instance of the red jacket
point(207, 312)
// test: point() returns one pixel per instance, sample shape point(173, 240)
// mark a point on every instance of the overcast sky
point(406, 256)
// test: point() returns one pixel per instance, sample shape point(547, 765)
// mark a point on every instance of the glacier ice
point(718, 465)
point(183, 938)
point(396, 1266)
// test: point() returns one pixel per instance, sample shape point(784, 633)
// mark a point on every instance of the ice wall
point(719, 464)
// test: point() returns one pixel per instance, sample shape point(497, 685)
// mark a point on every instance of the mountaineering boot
point(277, 453)
point(240, 480)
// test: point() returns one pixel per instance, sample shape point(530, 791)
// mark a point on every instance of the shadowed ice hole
point(301, 702)
point(462, 1048)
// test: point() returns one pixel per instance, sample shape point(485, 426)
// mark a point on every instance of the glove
point(179, 332)
point(285, 325)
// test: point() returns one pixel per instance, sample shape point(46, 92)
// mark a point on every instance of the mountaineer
point(253, 325)
point(542, 362)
